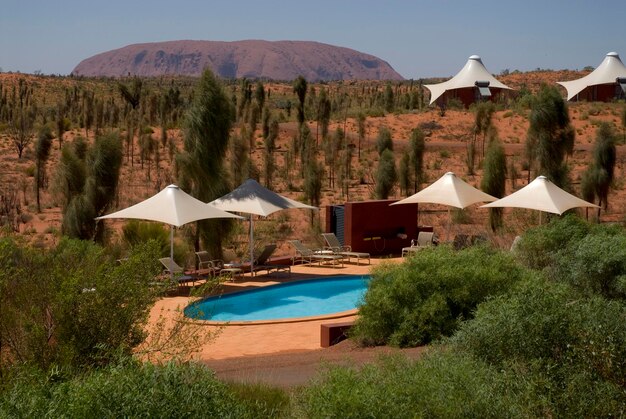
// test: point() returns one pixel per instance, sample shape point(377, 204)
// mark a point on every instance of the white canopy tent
point(473, 74)
point(448, 190)
point(171, 206)
point(541, 195)
point(608, 72)
point(252, 198)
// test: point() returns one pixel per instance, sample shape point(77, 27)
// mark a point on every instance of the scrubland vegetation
point(537, 331)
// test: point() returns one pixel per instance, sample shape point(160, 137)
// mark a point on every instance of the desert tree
point(22, 128)
point(61, 125)
point(386, 175)
point(624, 125)
point(494, 176)
point(270, 146)
point(417, 146)
point(132, 92)
point(361, 128)
point(201, 164)
point(323, 116)
point(389, 98)
point(42, 153)
point(259, 94)
point(550, 136)
point(384, 140)
point(239, 156)
point(300, 89)
point(89, 185)
point(597, 179)
point(483, 121)
point(404, 174)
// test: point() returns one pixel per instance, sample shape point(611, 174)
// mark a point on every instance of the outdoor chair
point(424, 239)
point(305, 254)
point(181, 275)
point(261, 262)
point(213, 266)
point(346, 251)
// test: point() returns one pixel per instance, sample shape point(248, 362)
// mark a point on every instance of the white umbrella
point(541, 195)
point(252, 198)
point(448, 190)
point(172, 206)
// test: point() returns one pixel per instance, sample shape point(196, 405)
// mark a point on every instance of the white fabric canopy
point(172, 206)
point(448, 190)
point(473, 71)
point(541, 195)
point(252, 198)
point(607, 72)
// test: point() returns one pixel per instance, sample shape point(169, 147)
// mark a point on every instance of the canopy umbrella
point(171, 206)
point(541, 195)
point(451, 191)
point(252, 198)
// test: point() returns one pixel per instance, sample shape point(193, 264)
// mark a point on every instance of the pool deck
point(261, 339)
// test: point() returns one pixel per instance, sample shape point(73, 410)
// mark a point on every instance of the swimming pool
point(297, 299)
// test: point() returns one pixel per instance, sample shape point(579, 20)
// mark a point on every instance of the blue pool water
point(313, 297)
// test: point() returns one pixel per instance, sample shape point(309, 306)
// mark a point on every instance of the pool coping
point(331, 316)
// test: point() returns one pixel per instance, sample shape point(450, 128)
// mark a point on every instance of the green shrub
point(428, 295)
point(571, 350)
point(540, 246)
point(72, 305)
point(442, 385)
point(129, 390)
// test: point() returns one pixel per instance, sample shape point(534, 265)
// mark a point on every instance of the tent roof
point(449, 190)
point(252, 198)
point(610, 69)
point(541, 195)
point(171, 206)
point(473, 71)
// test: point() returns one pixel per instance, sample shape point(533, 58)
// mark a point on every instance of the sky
point(417, 38)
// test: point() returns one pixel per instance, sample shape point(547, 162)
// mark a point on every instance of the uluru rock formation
point(272, 60)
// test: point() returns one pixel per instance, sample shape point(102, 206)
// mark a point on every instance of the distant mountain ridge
point(272, 60)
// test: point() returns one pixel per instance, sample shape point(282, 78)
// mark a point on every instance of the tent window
point(622, 82)
point(483, 88)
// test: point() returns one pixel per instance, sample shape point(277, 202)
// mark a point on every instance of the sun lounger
point(308, 255)
point(261, 262)
point(424, 239)
point(180, 274)
point(214, 266)
point(346, 251)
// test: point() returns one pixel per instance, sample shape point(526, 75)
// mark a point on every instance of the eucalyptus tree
point(494, 176)
point(404, 174)
point(300, 89)
point(201, 164)
point(361, 128)
point(389, 98)
point(323, 115)
point(550, 136)
point(270, 146)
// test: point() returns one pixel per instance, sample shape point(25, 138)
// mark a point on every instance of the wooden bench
point(333, 333)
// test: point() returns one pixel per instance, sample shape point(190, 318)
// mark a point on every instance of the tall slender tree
point(550, 136)
point(206, 133)
point(300, 89)
point(386, 175)
point(417, 146)
point(42, 153)
point(597, 179)
point(494, 176)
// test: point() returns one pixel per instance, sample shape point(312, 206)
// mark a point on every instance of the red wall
point(373, 226)
point(598, 93)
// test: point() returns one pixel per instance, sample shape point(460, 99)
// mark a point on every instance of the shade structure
point(448, 190)
point(252, 198)
point(610, 71)
point(171, 206)
point(541, 195)
point(472, 73)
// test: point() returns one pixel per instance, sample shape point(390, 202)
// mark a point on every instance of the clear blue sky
point(418, 38)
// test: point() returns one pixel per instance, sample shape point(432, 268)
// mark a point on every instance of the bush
point(441, 385)
point(571, 350)
point(428, 295)
point(71, 305)
point(130, 390)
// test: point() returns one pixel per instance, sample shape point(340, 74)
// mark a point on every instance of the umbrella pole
point(251, 245)
point(449, 225)
point(172, 252)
